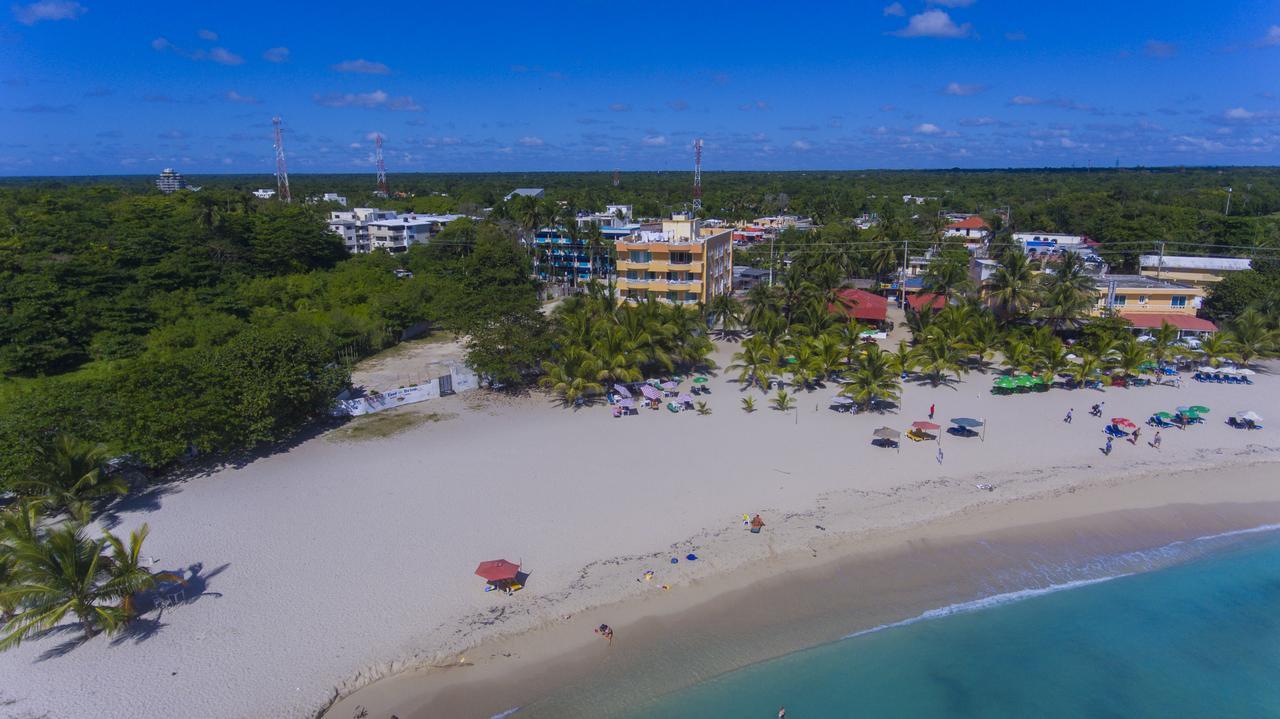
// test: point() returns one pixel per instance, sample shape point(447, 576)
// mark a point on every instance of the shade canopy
point(1245, 371)
point(1199, 409)
point(1226, 370)
point(1249, 416)
point(685, 397)
point(966, 422)
point(886, 433)
point(1123, 422)
point(650, 391)
point(841, 400)
point(925, 425)
point(497, 570)
point(670, 385)
point(622, 390)
point(1163, 415)
point(627, 403)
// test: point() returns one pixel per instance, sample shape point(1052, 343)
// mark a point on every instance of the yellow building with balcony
point(1148, 303)
point(682, 264)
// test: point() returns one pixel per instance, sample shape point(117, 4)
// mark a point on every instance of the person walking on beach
point(931, 408)
point(1133, 440)
point(605, 631)
point(1155, 441)
point(1107, 449)
point(1067, 419)
point(939, 455)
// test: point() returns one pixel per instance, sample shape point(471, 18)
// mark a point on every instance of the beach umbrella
point(622, 390)
point(886, 433)
point(1024, 380)
point(841, 400)
point(1005, 382)
point(650, 391)
point(966, 422)
point(497, 570)
point(1245, 371)
point(670, 385)
point(1226, 370)
point(1163, 415)
point(1123, 422)
point(1249, 415)
point(925, 425)
point(686, 397)
point(1206, 368)
point(627, 403)
point(699, 380)
point(1199, 409)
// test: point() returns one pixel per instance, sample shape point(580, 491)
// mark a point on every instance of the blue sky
point(93, 87)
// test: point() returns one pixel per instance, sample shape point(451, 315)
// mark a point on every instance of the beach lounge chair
point(1159, 422)
point(673, 407)
point(919, 435)
point(1115, 431)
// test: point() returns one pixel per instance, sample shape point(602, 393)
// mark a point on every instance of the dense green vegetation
point(199, 323)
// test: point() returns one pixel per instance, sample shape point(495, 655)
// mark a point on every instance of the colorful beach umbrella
point(1004, 382)
point(1163, 415)
point(1123, 422)
point(966, 422)
point(497, 570)
point(1199, 409)
point(622, 390)
point(686, 397)
point(925, 425)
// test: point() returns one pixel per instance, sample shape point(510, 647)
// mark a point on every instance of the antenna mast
point(617, 178)
point(282, 172)
point(697, 174)
point(382, 167)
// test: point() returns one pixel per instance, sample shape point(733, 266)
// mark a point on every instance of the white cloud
point(655, 140)
point(952, 3)
point(895, 10)
point(365, 67)
point(233, 96)
point(377, 100)
point(209, 35)
point(531, 141)
point(961, 90)
point(276, 54)
point(1161, 50)
point(1272, 38)
point(620, 107)
point(801, 145)
point(48, 10)
point(225, 57)
point(928, 128)
point(161, 43)
point(933, 23)
point(1239, 113)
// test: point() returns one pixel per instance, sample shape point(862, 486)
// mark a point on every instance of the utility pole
point(1228, 212)
point(1160, 265)
point(902, 286)
point(772, 237)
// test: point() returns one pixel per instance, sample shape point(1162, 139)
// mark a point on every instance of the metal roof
point(1182, 262)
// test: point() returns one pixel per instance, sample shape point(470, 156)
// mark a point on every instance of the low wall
point(463, 380)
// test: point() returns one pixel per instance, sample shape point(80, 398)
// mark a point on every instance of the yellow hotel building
point(684, 263)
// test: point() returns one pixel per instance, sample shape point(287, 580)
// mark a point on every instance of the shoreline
point(553, 669)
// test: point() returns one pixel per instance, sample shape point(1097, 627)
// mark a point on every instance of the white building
point(264, 194)
point(1039, 242)
point(535, 192)
point(334, 197)
point(365, 229)
point(613, 216)
point(170, 180)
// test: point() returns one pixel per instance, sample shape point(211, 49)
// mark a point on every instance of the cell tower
point(697, 174)
point(282, 172)
point(617, 178)
point(382, 167)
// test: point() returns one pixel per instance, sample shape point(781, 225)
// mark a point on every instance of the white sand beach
point(337, 562)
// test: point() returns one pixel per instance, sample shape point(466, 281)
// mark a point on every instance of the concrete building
point(560, 256)
point(334, 197)
point(264, 193)
point(366, 229)
point(170, 180)
point(678, 264)
point(972, 227)
point(1050, 242)
point(744, 278)
point(1203, 272)
point(1148, 303)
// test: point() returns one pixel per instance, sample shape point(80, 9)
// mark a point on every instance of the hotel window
point(639, 255)
point(681, 258)
point(1142, 299)
point(1120, 300)
point(1178, 301)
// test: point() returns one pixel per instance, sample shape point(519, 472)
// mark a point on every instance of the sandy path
point(337, 558)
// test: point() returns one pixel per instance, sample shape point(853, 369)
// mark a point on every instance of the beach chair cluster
point(626, 398)
point(1182, 417)
point(1245, 420)
point(1020, 383)
point(1223, 375)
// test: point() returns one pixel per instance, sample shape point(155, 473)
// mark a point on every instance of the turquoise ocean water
point(1199, 639)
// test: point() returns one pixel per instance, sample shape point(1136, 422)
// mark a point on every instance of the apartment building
point(1202, 272)
point(679, 263)
point(1149, 303)
point(365, 229)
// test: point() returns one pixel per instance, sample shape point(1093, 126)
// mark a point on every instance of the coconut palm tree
point(1164, 342)
point(1251, 337)
point(63, 573)
point(937, 356)
point(1067, 294)
point(982, 339)
point(1215, 348)
point(71, 474)
point(904, 360)
point(748, 404)
point(1088, 368)
point(803, 363)
point(946, 276)
point(573, 378)
point(1053, 360)
point(1012, 288)
point(1129, 356)
point(1017, 355)
point(874, 378)
point(754, 362)
point(725, 311)
point(783, 402)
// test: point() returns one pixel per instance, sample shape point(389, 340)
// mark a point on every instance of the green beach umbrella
point(1004, 382)
point(1199, 409)
point(1163, 415)
point(1147, 367)
point(1191, 415)
point(699, 380)
point(1024, 380)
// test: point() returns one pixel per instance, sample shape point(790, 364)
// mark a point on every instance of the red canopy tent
point(925, 425)
point(498, 570)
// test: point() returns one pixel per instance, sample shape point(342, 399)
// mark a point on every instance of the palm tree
point(748, 404)
point(1129, 356)
point(63, 573)
point(783, 402)
point(1089, 366)
point(725, 311)
point(1215, 348)
point(903, 361)
point(1067, 294)
point(616, 357)
point(1251, 337)
point(803, 363)
point(982, 339)
point(946, 276)
point(573, 378)
point(938, 356)
point(754, 362)
point(71, 474)
point(1054, 361)
point(874, 377)
point(1017, 354)
point(1012, 290)
point(1164, 342)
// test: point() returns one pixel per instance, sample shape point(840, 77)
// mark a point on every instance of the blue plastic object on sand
point(691, 557)
point(675, 561)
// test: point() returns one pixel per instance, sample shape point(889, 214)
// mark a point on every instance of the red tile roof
point(969, 223)
point(861, 305)
point(1154, 320)
point(922, 299)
